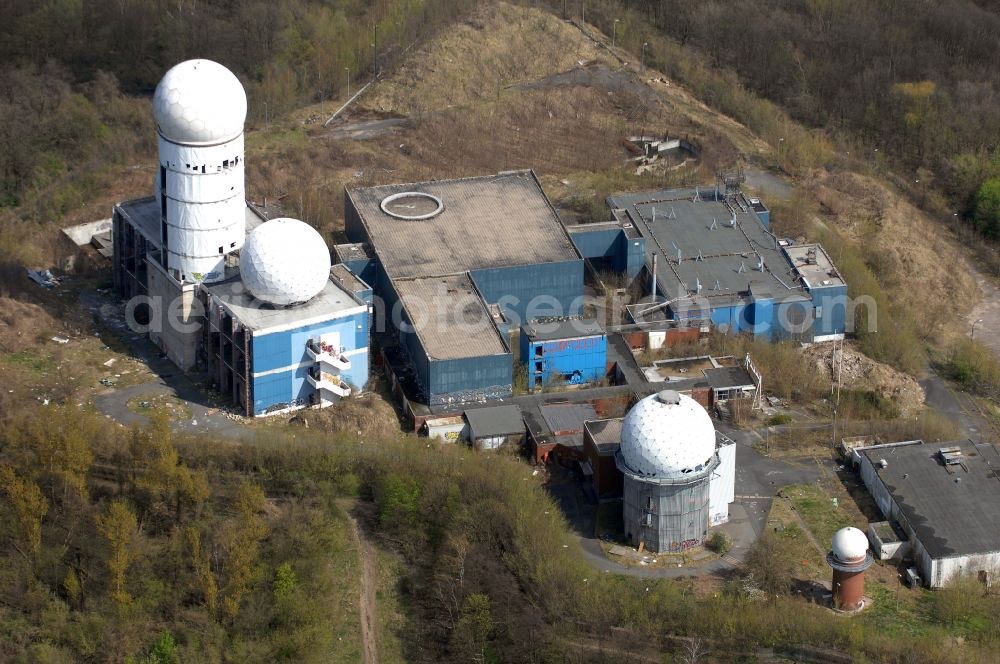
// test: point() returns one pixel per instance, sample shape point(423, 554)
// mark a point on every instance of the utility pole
point(583, 12)
point(614, 32)
point(265, 116)
point(974, 323)
point(348, 70)
point(643, 57)
point(375, 50)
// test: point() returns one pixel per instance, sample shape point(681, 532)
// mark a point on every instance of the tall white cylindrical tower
point(200, 108)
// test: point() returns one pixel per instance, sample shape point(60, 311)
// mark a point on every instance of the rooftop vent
point(952, 456)
point(669, 397)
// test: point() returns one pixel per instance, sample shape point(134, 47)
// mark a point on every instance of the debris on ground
point(43, 278)
point(860, 372)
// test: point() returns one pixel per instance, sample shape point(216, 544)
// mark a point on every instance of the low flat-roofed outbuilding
point(948, 503)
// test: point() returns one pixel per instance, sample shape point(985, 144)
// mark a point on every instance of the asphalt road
point(758, 479)
point(205, 415)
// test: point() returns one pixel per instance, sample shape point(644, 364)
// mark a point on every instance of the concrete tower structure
point(200, 107)
point(668, 457)
point(849, 557)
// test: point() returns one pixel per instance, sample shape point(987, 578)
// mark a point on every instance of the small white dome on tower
point(667, 436)
point(199, 102)
point(849, 544)
point(284, 261)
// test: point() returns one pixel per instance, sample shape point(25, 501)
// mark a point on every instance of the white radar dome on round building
point(200, 102)
point(668, 436)
point(284, 261)
point(849, 544)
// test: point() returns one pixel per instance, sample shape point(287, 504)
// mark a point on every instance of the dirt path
point(986, 310)
point(367, 603)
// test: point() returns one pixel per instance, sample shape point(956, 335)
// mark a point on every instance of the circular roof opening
point(412, 205)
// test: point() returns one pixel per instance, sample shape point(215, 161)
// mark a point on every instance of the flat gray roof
point(495, 421)
point(562, 328)
point(353, 251)
point(567, 418)
point(606, 434)
point(722, 258)
point(813, 265)
point(347, 279)
point(949, 518)
point(487, 222)
point(726, 377)
point(450, 317)
point(260, 317)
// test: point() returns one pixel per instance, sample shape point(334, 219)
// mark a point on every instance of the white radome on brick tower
point(284, 261)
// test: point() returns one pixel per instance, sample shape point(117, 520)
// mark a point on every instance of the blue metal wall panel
point(760, 314)
point(283, 349)
point(635, 255)
point(793, 320)
point(581, 360)
point(470, 375)
point(525, 292)
point(597, 243)
point(831, 310)
point(281, 390)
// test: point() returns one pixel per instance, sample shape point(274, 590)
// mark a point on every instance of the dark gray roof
point(724, 377)
point(495, 421)
point(606, 434)
point(722, 258)
point(488, 222)
point(949, 518)
point(567, 418)
point(562, 328)
point(353, 251)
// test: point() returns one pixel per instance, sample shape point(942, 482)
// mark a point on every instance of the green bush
point(974, 367)
point(719, 542)
point(779, 419)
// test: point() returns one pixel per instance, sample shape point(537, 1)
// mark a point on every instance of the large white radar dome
point(849, 544)
point(284, 261)
point(667, 436)
point(200, 102)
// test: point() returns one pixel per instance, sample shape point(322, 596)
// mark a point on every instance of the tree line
point(905, 83)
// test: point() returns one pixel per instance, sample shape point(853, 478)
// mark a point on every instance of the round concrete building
point(668, 456)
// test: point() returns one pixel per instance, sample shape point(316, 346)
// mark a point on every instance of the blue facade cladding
point(525, 292)
point(830, 310)
point(576, 361)
point(627, 255)
point(470, 378)
point(280, 364)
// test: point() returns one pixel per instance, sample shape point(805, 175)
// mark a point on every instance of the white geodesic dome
point(284, 261)
point(667, 436)
point(849, 544)
point(200, 102)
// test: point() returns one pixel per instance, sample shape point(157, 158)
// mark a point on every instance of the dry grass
point(917, 260)
point(498, 46)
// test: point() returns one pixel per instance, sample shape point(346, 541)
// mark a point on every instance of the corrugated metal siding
point(525, 292)
point(722, 490)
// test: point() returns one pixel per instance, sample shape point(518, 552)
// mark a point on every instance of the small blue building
point(272, 359)
point(570, 350)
